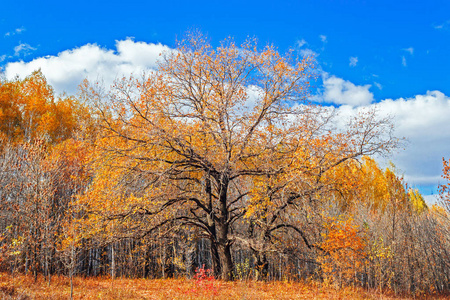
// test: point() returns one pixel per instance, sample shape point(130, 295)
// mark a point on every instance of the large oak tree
point(220, 136)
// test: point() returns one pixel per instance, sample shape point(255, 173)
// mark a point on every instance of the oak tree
point(216, 137)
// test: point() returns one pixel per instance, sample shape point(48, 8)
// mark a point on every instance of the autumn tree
point(43, 144)
point(30, 110)
point(444, 189)
point(216, 137)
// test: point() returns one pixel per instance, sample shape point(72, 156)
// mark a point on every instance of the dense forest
point(217, 159)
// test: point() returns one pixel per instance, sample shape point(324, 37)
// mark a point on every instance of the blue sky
point(369, 51)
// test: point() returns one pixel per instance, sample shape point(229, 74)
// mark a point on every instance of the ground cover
point(24, 287)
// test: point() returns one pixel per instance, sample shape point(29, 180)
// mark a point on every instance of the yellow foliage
point(417, 201)
point(29, 110)
point(367, 184)
point(344, 250)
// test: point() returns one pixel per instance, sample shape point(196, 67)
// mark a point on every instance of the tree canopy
point(222, 136)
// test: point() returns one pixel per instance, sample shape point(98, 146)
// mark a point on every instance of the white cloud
point(410, 50)
point(23, 49)
point(254, 95)
point(323, 38)
point(404, 61)
point(308, 53)
point(431, 199)
point(20, 30)
point(2, 57)
point(16, 31)
point(67, 70)
point(378, 85)
point(340, 91)
point(422, 114)
point(442, 26)
point(353, 61)
point(423, 120)
point(301, 43)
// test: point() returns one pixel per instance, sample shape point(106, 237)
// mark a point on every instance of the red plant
point(205, 282)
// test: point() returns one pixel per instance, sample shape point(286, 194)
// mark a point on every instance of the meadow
point(24, 287)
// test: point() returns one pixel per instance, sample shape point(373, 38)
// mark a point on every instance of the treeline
point(215, 160)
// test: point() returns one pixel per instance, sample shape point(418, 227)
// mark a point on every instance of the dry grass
point(24, 287)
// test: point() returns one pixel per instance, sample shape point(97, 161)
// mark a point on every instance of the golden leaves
point(29, 110)
point(344, 248)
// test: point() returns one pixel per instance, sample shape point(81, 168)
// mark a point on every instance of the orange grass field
point(23, 287)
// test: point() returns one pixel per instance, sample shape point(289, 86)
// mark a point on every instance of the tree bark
point(227, 263)
point(215, 260)
point(223, 227)
point(261, 265)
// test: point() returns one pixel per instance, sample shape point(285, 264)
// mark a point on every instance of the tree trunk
point(71, 286)
point(222, 227)
point(261, 266)
point(113, 263)
point(215, 260)
point(226, 261)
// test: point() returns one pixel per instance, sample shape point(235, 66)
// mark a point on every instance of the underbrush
point(203, 286)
